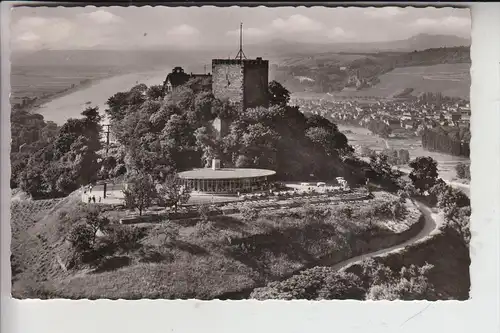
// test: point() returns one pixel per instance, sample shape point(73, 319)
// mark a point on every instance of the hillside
point(451, 80)
point(333, 73)
point(274, 244)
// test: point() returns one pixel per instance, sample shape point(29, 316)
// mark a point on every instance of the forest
point(450, 140)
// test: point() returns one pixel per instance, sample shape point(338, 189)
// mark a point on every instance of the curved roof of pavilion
point(225, 173)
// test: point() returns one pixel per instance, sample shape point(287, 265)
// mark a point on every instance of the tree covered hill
point(50, 161)
point(158, 135)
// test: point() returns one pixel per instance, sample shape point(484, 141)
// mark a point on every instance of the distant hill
point(334, 72)
point(280, 47)
point(273, 50)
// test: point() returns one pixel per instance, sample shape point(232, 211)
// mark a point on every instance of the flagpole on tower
point(240, 54)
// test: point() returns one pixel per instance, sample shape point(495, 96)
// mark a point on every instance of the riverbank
point(71, 103)
point(45, 99)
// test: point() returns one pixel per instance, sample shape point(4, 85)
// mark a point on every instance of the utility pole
point(240, 54)
point(107, 150)
point(107, 138)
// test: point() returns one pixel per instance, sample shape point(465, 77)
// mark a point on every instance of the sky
point(34, 28)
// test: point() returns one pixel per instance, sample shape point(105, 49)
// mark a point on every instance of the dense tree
point(380, 128)
point(450, 140)
point(458, 219)
point(314, 284)
point(140, 192)
point(410, 284)
point(177, 133)
point(172, 194)
point(425, 173)
point(278, 95)
point(155, 92)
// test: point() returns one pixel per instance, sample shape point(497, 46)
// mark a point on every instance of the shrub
point(168, 232)
point(314, 214)
point(96, 221)
point(347, 212)
point(410, 284)
point(81, 237)
point(243, 248)
point(383, 210)
point(399, 210)
point(314, 284)
point(203, 229)
point(204, 213)
point(341, 286)
point(463, 170)
point(249, 214)
point(126, 238)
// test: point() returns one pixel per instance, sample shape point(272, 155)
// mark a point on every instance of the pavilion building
point(218, 180)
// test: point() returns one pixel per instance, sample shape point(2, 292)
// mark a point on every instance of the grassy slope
point(36, 238)
point(201, 263)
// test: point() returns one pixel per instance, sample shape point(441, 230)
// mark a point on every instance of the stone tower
point(243, 82)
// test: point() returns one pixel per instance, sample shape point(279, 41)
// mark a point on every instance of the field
point(449, 79)
point(201, 258)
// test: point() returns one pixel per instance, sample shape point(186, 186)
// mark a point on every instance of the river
point(363, 137)
point(71, 105)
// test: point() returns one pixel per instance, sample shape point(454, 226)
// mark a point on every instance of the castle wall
point(227, 80)
point(256, 83)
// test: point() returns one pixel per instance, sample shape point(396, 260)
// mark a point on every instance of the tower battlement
point(257, 61)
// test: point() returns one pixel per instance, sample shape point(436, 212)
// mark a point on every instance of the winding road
point(432, 222)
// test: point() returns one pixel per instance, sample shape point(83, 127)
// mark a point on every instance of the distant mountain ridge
point(273, 48)
point(419, 42)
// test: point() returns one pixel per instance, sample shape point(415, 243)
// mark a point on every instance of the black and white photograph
point(240, 153)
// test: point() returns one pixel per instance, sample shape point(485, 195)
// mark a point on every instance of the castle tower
point(243, 82)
